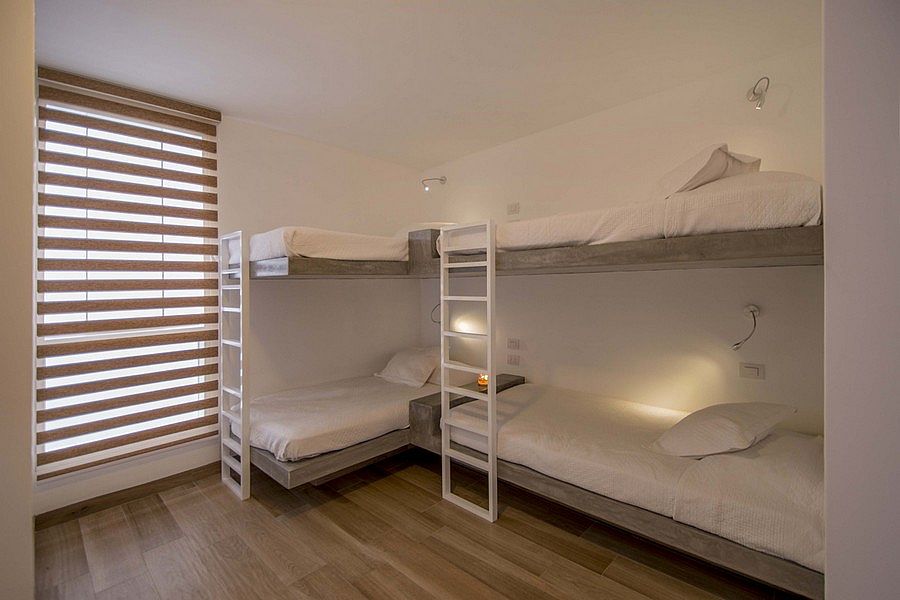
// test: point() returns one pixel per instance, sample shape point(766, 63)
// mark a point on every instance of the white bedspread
point(765, 200)
point(312, 420)
point(768, 497)
point(322, 243)
point(594, 442)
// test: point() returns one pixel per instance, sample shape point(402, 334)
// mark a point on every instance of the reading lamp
point(758, 92)
point(442, 180)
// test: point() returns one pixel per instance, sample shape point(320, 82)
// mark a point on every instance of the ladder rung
point(469, 506)
point(480, 429)
point(230, 271)
point(465, 298)
point(232, 415)
point(472, 461)
point(460, 226)
point(458, 366)
point(233, 485)
point(466, 264)
point(233, 343)
point(232, 445)
point(463, 334)
point(230, 309)
point(231, 462)
point(467, 393)
point(231, 286)
point(231, 391)
point(467, 249)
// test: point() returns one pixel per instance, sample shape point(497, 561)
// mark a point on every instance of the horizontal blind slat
point(53, 94)
point(44, 458)
point(45, 329)
point(79, 306)
point(116, 166)
point(88, 264)
point(115, 285)
point(111, 364)
point(121, 206)
point(112, 89)
point(123, 187)
point(143, 341)
point(95, 406)
point(104, 385)
point(96, 143)
point(64, 433)
point(54, 243)
point(136, 131)
point(125, 226)
point(97, 463)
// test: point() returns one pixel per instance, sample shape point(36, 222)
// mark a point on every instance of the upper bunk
point(782, 247)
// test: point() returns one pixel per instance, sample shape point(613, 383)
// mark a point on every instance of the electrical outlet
point(512, 208)
point(512, 359)
point(512, 343)
point(753, 371)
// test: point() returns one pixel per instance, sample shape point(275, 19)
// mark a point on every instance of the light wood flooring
point(381, 532)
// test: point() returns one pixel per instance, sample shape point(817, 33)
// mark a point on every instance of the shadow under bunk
point(792, 246)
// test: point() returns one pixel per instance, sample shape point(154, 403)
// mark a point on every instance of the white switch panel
point(753, 371)
point(512, 208)
point(512, 359)
point(512, 343)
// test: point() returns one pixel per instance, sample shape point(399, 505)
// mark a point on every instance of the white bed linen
point(766, 200)
point(594, 442)
point(768, 497)
point(642, 221)
point(312, 420)
point(323, 243)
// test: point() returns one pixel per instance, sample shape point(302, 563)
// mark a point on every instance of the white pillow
point(412, 366)
point(721, 428)
point(710, 164)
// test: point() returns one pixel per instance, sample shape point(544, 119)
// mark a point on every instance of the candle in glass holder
point(483, 380)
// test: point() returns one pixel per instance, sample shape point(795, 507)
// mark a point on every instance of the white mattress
point(768, 497)
point(594, 442)
point(308, 421)
point(765, 200)
point(322, 243)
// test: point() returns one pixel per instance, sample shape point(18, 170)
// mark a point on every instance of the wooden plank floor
point(381, 532)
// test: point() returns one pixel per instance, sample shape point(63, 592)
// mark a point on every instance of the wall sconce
point(442, 180)
point(758, 92)
point(751, 311)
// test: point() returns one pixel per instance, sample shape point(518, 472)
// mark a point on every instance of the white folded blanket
point(323, 243)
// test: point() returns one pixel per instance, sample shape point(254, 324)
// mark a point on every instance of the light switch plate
point(753, 371)
point(512, 359)
point(512, 344)
point(512, 208)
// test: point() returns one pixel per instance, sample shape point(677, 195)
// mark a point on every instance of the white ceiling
point(417, 82)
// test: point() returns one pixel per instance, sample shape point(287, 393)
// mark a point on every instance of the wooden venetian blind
point(127, 330)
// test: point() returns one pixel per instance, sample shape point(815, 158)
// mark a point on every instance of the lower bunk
point(756, 512)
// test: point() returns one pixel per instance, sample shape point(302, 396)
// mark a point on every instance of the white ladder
point(458, 244)
point(232, 323)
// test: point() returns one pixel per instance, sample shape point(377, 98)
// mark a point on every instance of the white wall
point(614, 156)
point(306, 332)
point(660, 337)
point(862, 297)
point(16, 348)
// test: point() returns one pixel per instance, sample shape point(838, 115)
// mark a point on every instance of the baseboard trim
point(86, 507)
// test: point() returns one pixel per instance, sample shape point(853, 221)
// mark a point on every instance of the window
point(127, 305)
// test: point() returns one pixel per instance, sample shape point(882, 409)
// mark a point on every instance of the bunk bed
point(472, 250)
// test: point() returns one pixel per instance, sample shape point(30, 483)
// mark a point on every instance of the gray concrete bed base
point(792, 246)
point(425, 432)
point(319, 469)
